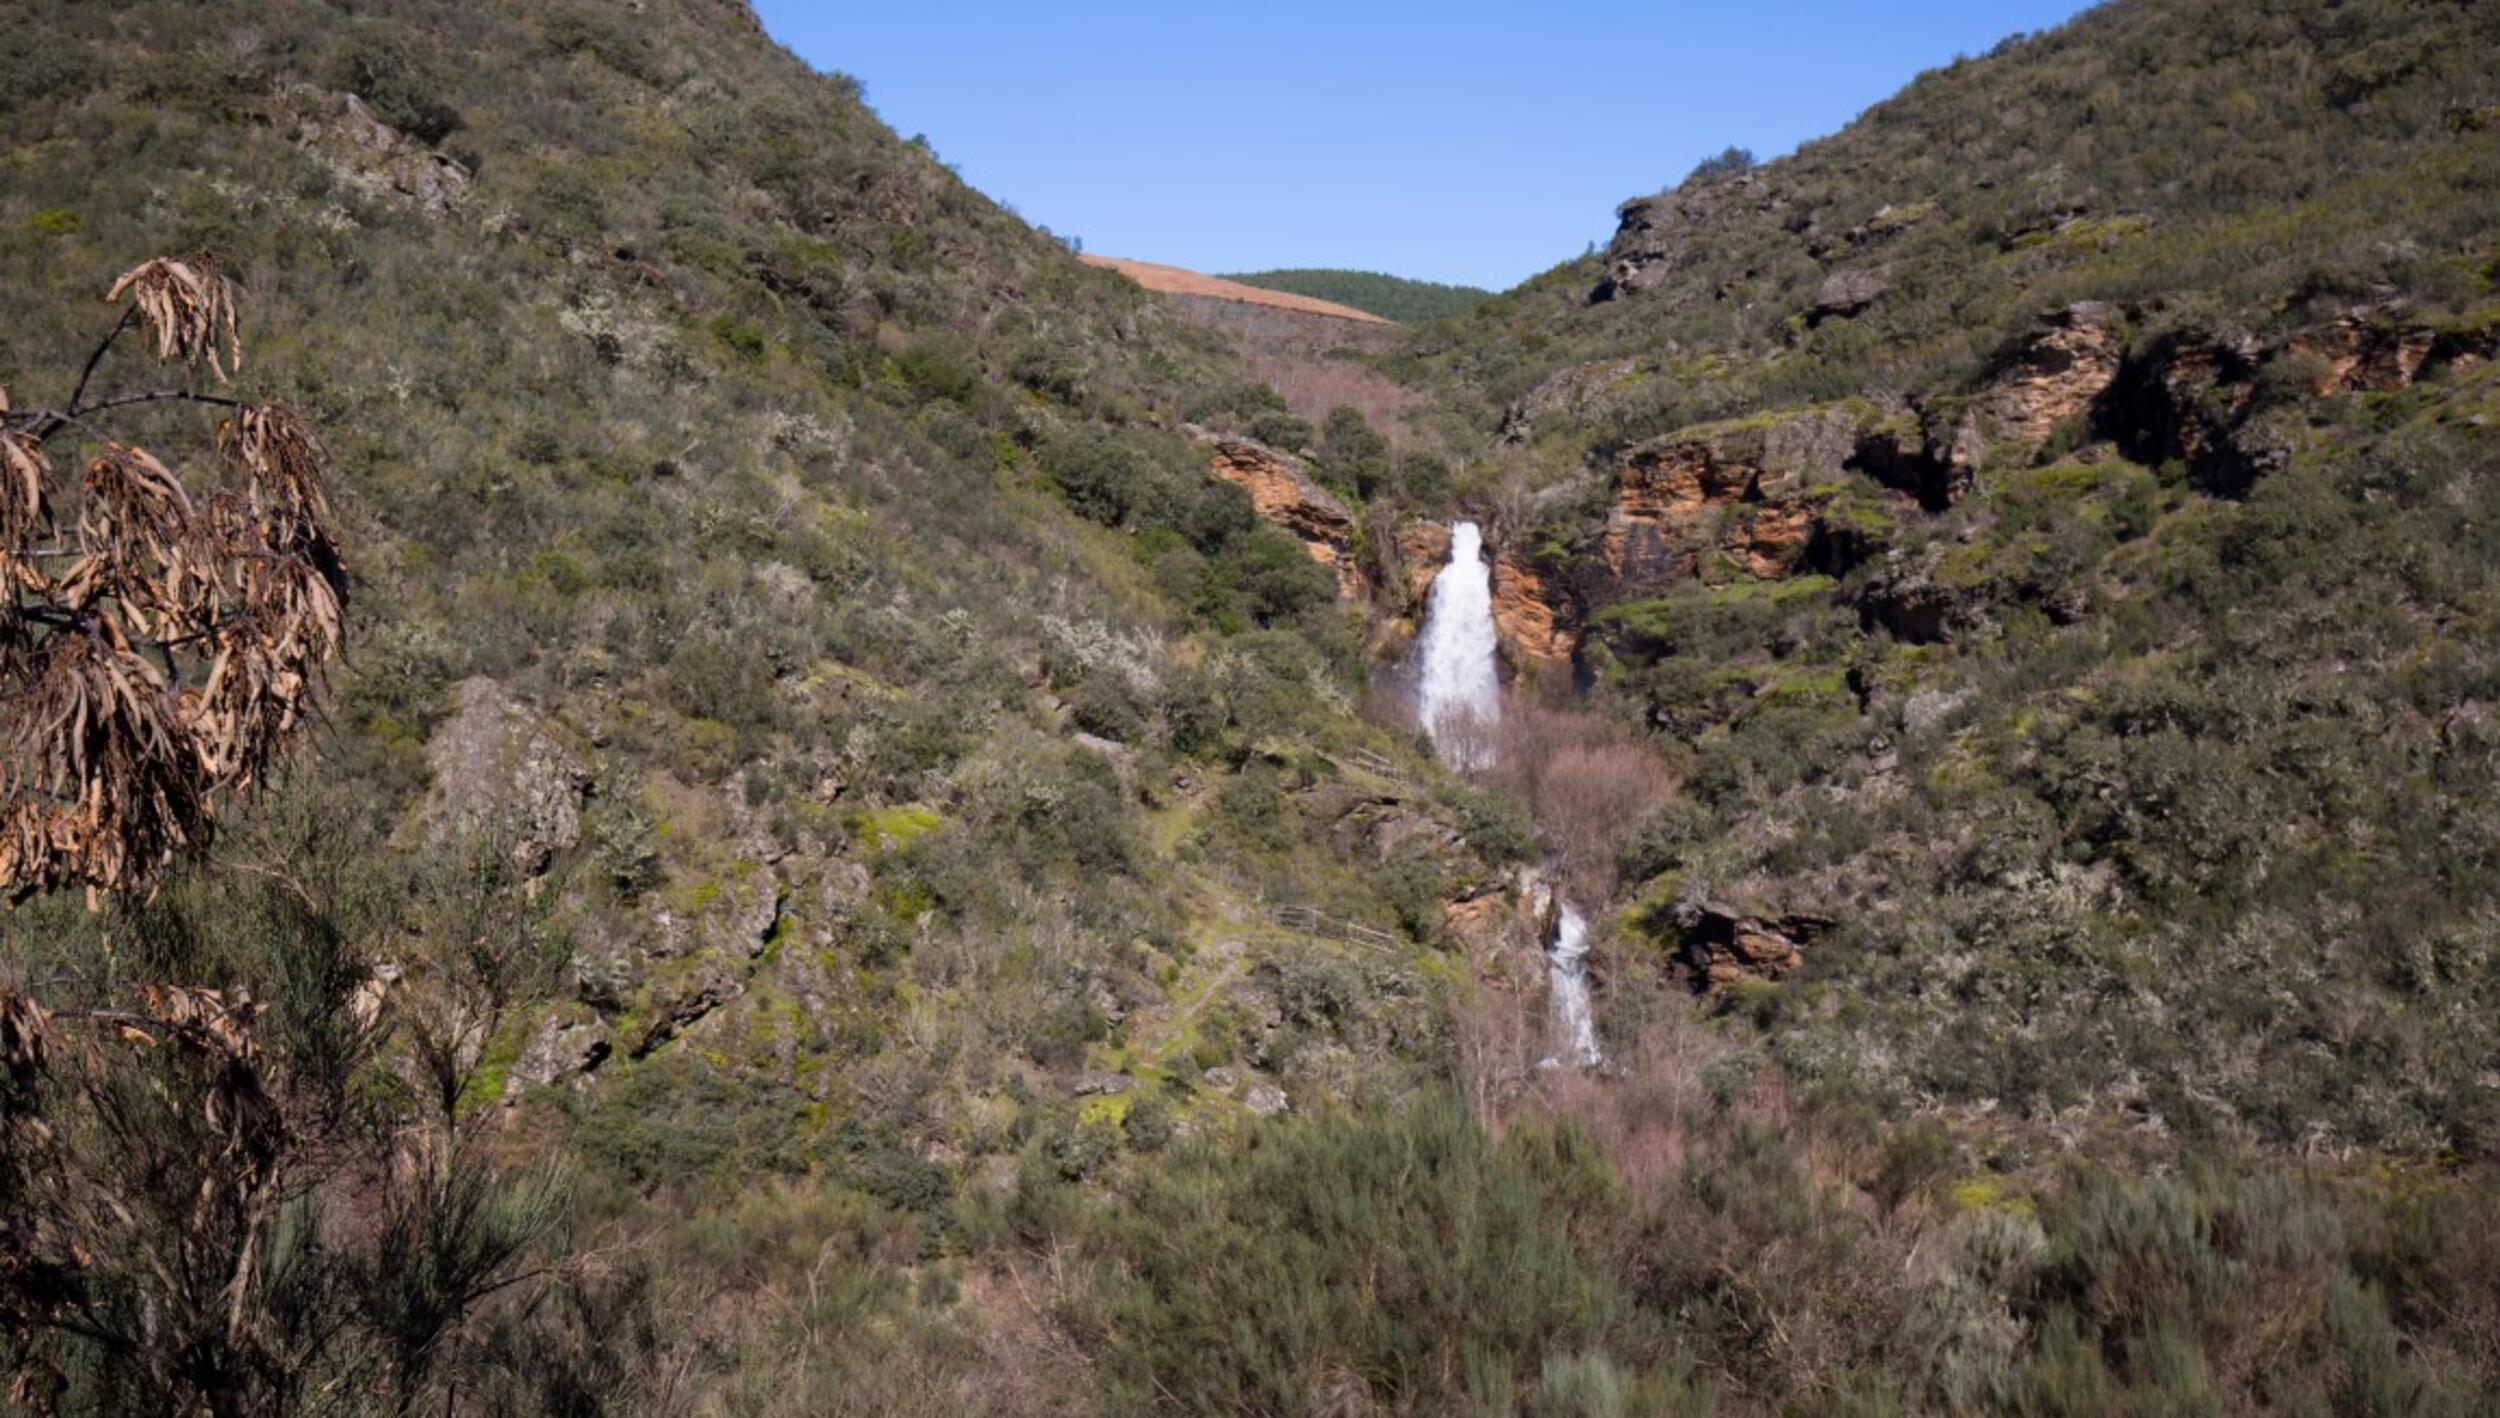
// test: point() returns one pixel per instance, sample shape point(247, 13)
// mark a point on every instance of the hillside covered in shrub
point(809, 717)
point(2040, 522)
point(868, 853)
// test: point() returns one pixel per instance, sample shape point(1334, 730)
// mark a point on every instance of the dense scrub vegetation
point(2195, 745)
point(866, 868)
point(1389, 297)
point(875, 717)
point(2077, 743)
point(2261, 163)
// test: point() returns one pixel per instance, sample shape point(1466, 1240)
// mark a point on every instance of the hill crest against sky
point(1470, 143)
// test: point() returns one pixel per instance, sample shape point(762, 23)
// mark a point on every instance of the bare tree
point(1587, 782)
point(156, 648)
point(198, 1215)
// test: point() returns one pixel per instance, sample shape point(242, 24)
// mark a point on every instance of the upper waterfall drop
point(1459, 694)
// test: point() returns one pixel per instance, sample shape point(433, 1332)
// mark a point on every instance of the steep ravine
point(1458, 700)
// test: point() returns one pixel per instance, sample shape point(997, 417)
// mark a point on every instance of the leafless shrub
point(1500, 1037)
point(196, 1171)
point(1465, 738)
point(1586, 780)
point(1743, 1216)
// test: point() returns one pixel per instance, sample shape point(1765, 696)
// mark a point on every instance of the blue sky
point(1455, 141)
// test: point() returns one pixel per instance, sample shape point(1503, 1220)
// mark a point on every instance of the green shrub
point(1103, 478)
point(742, 337)
point(1727, 162)
point(1410, 1250)
point(402, 86)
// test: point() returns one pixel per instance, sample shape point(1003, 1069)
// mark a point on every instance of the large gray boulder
point(1848, 292)
point(562, 1048)
point(505, 770)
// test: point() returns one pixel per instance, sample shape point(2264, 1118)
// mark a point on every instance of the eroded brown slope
point(1173, 280)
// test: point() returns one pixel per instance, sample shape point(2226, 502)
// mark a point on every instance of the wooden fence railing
point(1318, 924)
point(1377, 763)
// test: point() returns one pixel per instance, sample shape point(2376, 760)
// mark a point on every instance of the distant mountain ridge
point(1407, 302)
point(1174, 280)
point(1309, 351)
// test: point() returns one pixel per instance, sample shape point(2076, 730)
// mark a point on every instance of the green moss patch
point(890, 829)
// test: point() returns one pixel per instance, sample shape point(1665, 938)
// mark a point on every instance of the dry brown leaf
point(26, 1035)
point(278, 451)
point(191, 307)
point(180, 642)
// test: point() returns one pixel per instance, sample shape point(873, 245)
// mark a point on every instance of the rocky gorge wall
point(1391, 580)
point(1827, 490)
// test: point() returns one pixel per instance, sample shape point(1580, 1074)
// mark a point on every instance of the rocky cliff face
point(502, 766)
point(1530, 609)
point(1662, 492)
point(2185, 395)
point(2192, 394)
point(1571, 393)
point(1534, 621)
point(1746, 488)
point(1283, 493)
point(1737, 487)
point(371, 157)
point(1765, 496)
point(1420, 550)
point(1725, 945)
point(2059, 372)
point(2356, 356)
point(1658, 237)
point(1502, 920)
point(1774, 540)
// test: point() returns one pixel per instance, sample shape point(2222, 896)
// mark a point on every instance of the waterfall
point(1459, 697)
point(1567, 982)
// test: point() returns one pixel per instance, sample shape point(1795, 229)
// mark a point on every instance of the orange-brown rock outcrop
point(1534, 623)
point(2059, 371)
point(1284, 494)
point(1661, 490)
point(1723, 945)
point(1686, 494)
point(2359, 357)
point(1775, 541)
point(1423, 548)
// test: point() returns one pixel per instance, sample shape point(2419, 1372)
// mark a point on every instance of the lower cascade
point(1459, 691)
point(1567, 976)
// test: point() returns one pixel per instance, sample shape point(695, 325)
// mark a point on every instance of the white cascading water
point(1459, 696)
point(1459, 699)
point(1567, 983)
